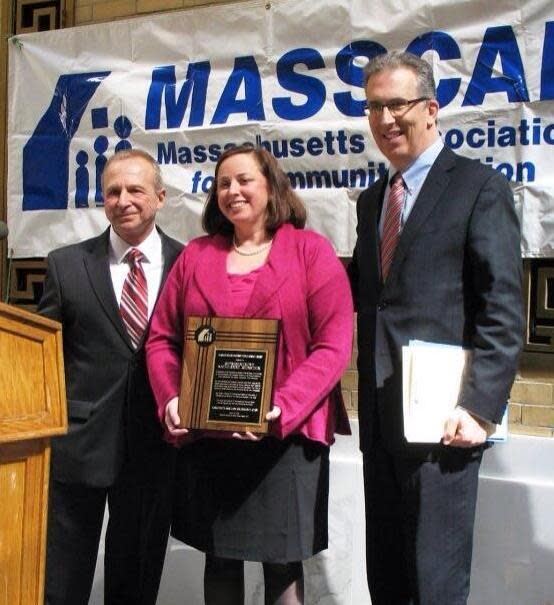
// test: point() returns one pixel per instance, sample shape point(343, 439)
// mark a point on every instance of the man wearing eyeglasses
point(437, 259)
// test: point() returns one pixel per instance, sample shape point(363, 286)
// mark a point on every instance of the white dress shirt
point(414, 176)
point(152, 264)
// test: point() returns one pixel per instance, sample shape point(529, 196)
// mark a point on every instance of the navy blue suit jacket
point(455, 279)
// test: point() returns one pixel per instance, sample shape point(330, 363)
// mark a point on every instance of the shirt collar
point(417, 171)
point(150, 247)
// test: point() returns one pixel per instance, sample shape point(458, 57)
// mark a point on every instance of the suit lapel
point(368, 230)
point(429, 196)
point(97, 267)
point(169, 254)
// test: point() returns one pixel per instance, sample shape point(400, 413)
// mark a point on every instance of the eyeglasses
point(396, 107)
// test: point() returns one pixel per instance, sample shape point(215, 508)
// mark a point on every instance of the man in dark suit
point(437, 259)
point(103, 295)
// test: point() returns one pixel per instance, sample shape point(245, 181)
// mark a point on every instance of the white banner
point(286, 74)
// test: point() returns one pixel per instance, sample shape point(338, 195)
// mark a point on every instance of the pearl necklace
point(259, 250)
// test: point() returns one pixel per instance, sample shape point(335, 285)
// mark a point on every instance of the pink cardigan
point(305, 286)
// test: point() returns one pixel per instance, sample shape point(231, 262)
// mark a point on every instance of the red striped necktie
point(134, 297)
point(391, 226)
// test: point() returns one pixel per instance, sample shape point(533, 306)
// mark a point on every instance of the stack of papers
point(432, 377)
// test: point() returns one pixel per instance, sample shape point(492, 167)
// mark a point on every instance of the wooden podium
point(32, 409)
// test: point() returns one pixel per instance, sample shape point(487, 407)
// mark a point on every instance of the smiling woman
point(240, 497)
point(240, 202)
point(242, 199)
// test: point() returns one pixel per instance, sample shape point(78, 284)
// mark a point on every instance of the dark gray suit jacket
point(455, 279)
point(114, 433)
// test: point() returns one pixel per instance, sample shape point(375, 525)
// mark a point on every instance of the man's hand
point(462, 429)
point(172, 419)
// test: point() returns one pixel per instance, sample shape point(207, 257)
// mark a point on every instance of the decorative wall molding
point(539, 304)
point(26, 282)
point(38, 15)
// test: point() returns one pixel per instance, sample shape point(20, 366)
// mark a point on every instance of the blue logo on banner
point(46, 153)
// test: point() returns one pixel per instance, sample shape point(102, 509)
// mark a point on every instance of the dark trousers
point(419, 525)
point(136, 541)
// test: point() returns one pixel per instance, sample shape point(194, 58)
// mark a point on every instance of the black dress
point(256, 501)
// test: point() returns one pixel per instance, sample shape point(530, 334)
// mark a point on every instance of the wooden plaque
point(227, 378)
